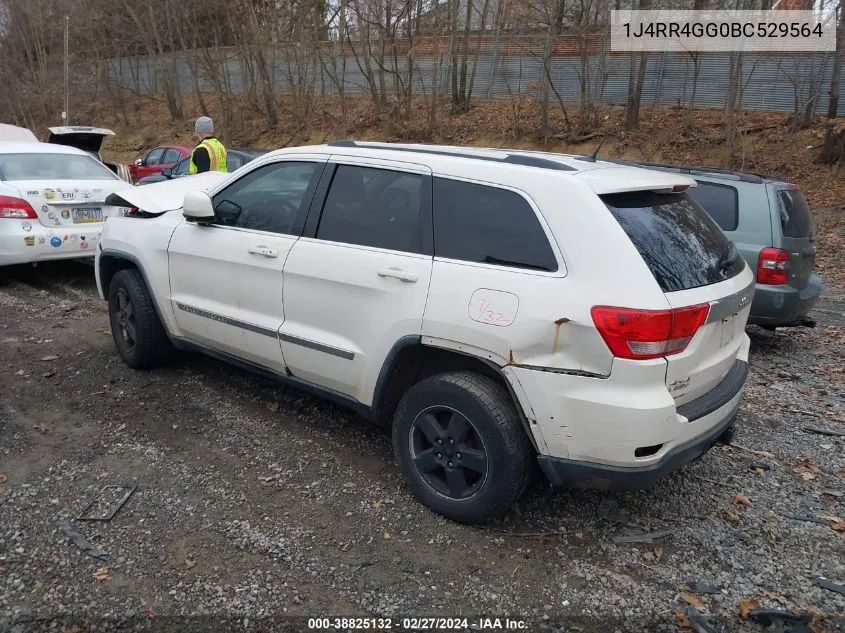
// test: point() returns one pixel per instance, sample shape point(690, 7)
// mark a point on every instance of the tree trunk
point(833, 103)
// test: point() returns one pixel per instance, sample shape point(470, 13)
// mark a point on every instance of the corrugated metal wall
point(769, 81)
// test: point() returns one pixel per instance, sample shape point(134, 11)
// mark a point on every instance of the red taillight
point(644, 334)
point(773, 266)
point(16, 209)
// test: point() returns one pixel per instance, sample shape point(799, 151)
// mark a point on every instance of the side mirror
point(139, 162)
point(167, 172)
point(198, 207)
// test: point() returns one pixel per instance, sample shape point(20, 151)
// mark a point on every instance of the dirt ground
point(255, 502)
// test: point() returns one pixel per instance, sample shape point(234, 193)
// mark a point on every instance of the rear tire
point(461, 446)
point(137, 331)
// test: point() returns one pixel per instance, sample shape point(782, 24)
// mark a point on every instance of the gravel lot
point(254, 501)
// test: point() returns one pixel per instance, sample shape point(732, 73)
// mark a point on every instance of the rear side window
point(373, 207)
point(795, 217)
point(477, 223)
point(720, 201)
point(682, 246)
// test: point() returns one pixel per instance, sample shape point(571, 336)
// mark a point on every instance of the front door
point(359, 281)
point(226, 277)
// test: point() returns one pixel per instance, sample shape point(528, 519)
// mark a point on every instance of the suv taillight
point(16, 209)
point(773, 266)
point(644, 334)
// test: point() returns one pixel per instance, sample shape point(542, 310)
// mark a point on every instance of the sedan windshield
point(52, 167)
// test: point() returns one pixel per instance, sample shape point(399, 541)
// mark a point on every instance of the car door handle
point(396, 273)
point(263, 250)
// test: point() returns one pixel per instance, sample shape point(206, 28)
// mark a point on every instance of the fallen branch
point(820, 431)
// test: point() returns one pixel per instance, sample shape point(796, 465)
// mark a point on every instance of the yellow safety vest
point(216, 152)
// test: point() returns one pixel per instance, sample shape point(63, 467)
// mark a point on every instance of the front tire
point(461, 446)
point(137, 331)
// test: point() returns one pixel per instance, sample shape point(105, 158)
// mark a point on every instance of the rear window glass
point(795, 217)
point(682, 246)
point(52, 167)
point(720, 201)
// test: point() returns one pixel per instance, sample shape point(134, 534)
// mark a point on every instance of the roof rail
point(691, 169)
point(511, 159)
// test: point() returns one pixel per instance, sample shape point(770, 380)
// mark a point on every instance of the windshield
point(52, 167)
point(682, 246)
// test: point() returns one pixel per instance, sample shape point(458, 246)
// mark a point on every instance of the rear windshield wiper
point(728, 257)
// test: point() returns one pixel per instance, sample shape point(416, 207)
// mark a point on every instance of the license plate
point(83, 216)
point(728, 329)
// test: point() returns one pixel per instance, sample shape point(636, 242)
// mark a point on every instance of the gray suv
point(772, 227)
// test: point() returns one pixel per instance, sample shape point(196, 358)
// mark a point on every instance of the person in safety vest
point(209, 154)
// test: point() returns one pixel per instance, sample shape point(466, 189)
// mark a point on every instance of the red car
point(157, 159)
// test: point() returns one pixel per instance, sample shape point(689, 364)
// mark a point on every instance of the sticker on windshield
point(74, 238)
point(85, 195)
point(32, 192)
point(44, 208)
point(26, 226)
point(55, 241)
point(66, 214)
point(83, 245)
point(68, 195)
point(42, 239)
point(49, 194)
point(29, 240)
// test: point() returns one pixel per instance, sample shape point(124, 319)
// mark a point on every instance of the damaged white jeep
point(497, 309)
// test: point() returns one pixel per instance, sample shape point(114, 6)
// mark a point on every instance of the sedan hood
point(159, 197)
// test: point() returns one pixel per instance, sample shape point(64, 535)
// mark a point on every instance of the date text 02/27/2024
point(416, 624)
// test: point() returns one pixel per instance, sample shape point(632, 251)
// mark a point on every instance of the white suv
point(497, 308)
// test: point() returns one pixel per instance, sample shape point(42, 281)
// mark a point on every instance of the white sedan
point(52, 202)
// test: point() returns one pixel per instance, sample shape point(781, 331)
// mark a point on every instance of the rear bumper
point(783, 305)
point(714, 412)
point(28, 241)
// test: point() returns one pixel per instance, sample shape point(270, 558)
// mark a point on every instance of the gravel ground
point(255, 502)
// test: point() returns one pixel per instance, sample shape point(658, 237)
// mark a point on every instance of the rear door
point(694, 263)
point(798, 233)
point(150, 163)
point(357, 281)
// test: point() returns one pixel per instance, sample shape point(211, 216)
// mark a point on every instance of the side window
point(373, 207)
point(720, 201)
point(154, 157)
point(182, 168)
point(234, 162)
point(170, 156)
point(477, 223)
point(270, 198)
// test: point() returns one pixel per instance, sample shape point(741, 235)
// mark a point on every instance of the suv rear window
point(795, 217)
point(720, 202)
point(679, 242)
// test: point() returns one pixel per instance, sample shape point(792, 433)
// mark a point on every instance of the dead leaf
point(175, 426)
point(760, 472)
point(50, 357)
point(376, 504)
point(741, 499)
point(2, 478)
point(838, 524)
point(840, 474)
point(579, 535)
point(101, 574)
point(658, 553)
point(773, 596)
point(273, 407)
point(682, 620)
point(190, 562)
point(387, 535)
point(731, 515)
point(691, 598)
point(48, 374)
point(747, 605)
point(806, 469)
